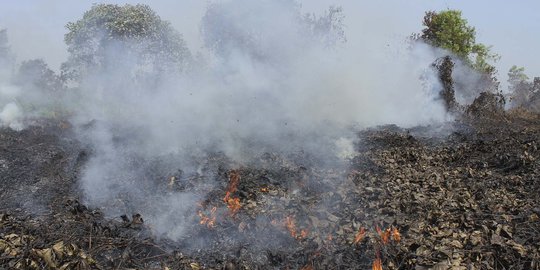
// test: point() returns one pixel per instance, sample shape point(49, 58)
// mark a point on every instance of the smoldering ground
point(270, 80)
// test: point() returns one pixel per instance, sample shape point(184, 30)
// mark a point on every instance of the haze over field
point(240, 78)
point(506, 26)
point(269, 134)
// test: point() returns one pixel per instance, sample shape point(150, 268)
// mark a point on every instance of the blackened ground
point(36, 166)
point(463, 197)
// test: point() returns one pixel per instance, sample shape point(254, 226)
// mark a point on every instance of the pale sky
point(36, 27)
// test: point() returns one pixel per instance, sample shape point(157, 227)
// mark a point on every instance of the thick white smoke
point(271, 84)
point(272, 80)
point(11, 115)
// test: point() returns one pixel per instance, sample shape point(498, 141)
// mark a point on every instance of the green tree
point(516, 75)
point(133, 33)
point(449, 30)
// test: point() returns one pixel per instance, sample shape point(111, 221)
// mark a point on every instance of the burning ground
point(269, 148)
point(465, 199)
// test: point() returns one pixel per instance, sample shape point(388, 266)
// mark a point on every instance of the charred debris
point(463, 195)
point(409, 199)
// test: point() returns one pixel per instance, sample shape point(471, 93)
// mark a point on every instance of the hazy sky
point(36, 27)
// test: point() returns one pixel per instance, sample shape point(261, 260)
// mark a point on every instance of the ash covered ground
point(466, 199)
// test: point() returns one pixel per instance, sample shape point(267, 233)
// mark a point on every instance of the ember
point(330, 231)
point(377, 264)
point(360, 235)
point(384, 234)
point(294, 160)
point(234, 179)
point(396, 235)
point(209, 221)
point(303, 233)
point(290, 224)
point(329, 237)
point(234, 206)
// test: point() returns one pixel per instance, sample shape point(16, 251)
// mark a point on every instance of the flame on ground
point(234, 179)
point(303, 233)
point(396, 235)
point(360, 235)
point(377, 264)
point(208, 220)
point(329, 238)
point(384, 234)
point(234, 205)
point(290, 224)
point(387, 234)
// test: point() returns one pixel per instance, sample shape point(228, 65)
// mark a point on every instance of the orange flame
point(377, 264)
point(209, 221)
point(329, 237)
point(291, 226)
point(234, 205)
point(234, 179)
point(304, 233)
point(290, 223)
point(384, 234)
point(396, 235)
point(360, 235)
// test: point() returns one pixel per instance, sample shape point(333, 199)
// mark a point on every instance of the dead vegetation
point(408, 200)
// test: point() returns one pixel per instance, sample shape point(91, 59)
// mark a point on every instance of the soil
point(465, 197)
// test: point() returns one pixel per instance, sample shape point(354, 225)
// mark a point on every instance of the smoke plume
point(269, 79)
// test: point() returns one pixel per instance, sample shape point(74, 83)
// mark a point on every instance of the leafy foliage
point(106, 32)
point(516, 75)
point(449, 30)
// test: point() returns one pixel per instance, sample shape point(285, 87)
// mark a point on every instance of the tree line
point(153, 47)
